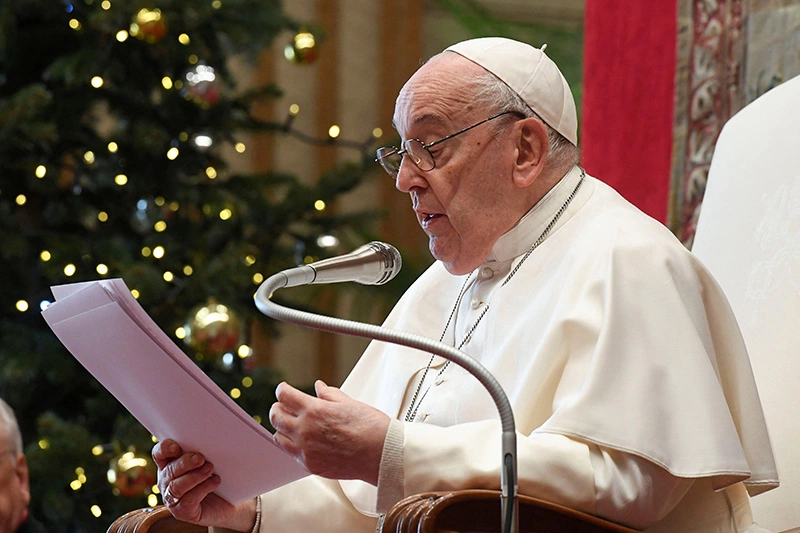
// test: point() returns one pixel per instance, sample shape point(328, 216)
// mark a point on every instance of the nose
point(409, 177)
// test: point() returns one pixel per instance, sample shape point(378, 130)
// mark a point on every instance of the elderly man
point(15, 492)
point(631, 388)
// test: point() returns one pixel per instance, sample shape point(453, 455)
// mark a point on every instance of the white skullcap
point(530, 74)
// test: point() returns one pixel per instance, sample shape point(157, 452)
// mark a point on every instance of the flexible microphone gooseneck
point(375, 264)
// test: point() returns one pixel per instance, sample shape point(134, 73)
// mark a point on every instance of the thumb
point(326, 392)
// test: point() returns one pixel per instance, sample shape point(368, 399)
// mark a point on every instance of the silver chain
point(411, 414)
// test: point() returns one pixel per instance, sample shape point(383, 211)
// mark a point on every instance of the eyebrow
point(436, 120)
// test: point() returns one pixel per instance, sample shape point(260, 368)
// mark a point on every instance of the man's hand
point(186, 481)
point(332, 435)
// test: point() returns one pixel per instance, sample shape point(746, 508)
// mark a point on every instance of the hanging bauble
point(302, 49)
point(203, 85)
point(149, 25)
point(213, 329)
point(133, 473)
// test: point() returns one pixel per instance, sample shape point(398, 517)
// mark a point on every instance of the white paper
point(106, 329)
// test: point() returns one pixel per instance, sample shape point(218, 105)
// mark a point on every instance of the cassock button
point(486, 273)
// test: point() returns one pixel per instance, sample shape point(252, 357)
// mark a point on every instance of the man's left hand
point(332, 435)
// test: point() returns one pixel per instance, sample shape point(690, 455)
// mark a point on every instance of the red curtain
point(628, 93)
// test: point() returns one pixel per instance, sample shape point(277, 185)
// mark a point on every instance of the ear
point(532, 149)
point(21, 471)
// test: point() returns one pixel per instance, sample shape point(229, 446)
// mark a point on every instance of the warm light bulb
point(41, 171)
point(122, 36)
point(22, 306)
point(21, 199)
point(377, 133)
point(211, 172)
point(70, 270)
point(294, 109)
point(166, 82)
point(160, 226)
point(188, 270)
point(45, 256)
point(319, 205)
point(97, 82)
point(180, 332)
point(258, 278)
point(225, 214)
point(89, 157)
point(75, 24)
point(97, 450)
point(240, 147)
point(102, 216)
point(158, 252)
point(247, 382)
point(113, 147)
point(334, 131)
point(184, 39)
point(235, 393)
point(96, 511)
point(168, 276)
point(172, 153)
point(102, 269)
point(120, 179)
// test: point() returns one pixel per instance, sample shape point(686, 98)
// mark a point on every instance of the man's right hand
point(187, 481)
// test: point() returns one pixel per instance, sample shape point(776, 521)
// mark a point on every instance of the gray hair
point(491, 92)
point(11, 429)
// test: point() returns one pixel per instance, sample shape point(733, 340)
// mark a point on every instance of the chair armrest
point(478, 511)
point(153, 520)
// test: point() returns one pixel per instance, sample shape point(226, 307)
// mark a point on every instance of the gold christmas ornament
point(303, 48)
point(213, 329)
point(149, 25)
point(132, 473)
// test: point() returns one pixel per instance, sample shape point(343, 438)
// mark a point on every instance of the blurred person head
point(15, 492)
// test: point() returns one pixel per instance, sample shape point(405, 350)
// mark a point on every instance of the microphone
point(374, 263)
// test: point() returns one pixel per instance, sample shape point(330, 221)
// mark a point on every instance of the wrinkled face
point(14, 490)
point(468, 200)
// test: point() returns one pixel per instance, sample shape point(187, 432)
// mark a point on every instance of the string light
point(105, 4)
point(180, 332)
point(247, 382)
point(193, 59)
point(250, 260)
point(135, 293)
point(216, 4)
point(334, 131)
point(188, 270)
point(96, 511)
point(45, 256)
point(146, 251)
point(122, 35)
point(235, 393)
point(377, 133)
point(102, 216)
point(97, 82)
point(97, 450)
point(319, 205)
point(168, 276)
point(172, 153)
point(160, 226)
point(121, 179)
point(244, 352)
point(152, 500)
point(294, 109)
point(75, 24)
point(43, 444)
point(184, 39)
point(102, 269)
point(258, 278)
point(240, 147)
point(70, 270)
point(89, 157)
point(158, 252)
point(113, 147)
point(159, 201)
point(22, 306)
point(225, 214)
point(211, 172)
point(21, 199)
point(41, 171)
point(166, 82)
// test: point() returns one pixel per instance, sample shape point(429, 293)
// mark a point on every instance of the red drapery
point(628, 94)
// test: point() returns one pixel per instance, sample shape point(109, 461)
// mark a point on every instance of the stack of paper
point(105, 328)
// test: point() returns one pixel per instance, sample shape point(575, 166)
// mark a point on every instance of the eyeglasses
point(391, 157)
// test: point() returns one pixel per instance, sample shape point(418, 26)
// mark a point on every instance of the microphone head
point(392, 262)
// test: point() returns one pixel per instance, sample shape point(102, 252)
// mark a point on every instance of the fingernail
point(172, 448)
point(196, 458)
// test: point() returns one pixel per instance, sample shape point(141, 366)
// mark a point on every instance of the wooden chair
point(473, 511)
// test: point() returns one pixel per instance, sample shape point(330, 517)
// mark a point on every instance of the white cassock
point(631, 388)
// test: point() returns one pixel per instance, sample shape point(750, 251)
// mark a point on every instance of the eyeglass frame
point(401, 152)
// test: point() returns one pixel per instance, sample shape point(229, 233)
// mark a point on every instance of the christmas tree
point(119, 124)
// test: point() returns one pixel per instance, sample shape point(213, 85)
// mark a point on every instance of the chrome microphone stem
point(508, 471)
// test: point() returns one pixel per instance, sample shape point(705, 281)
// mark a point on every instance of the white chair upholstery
point(748, 235)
